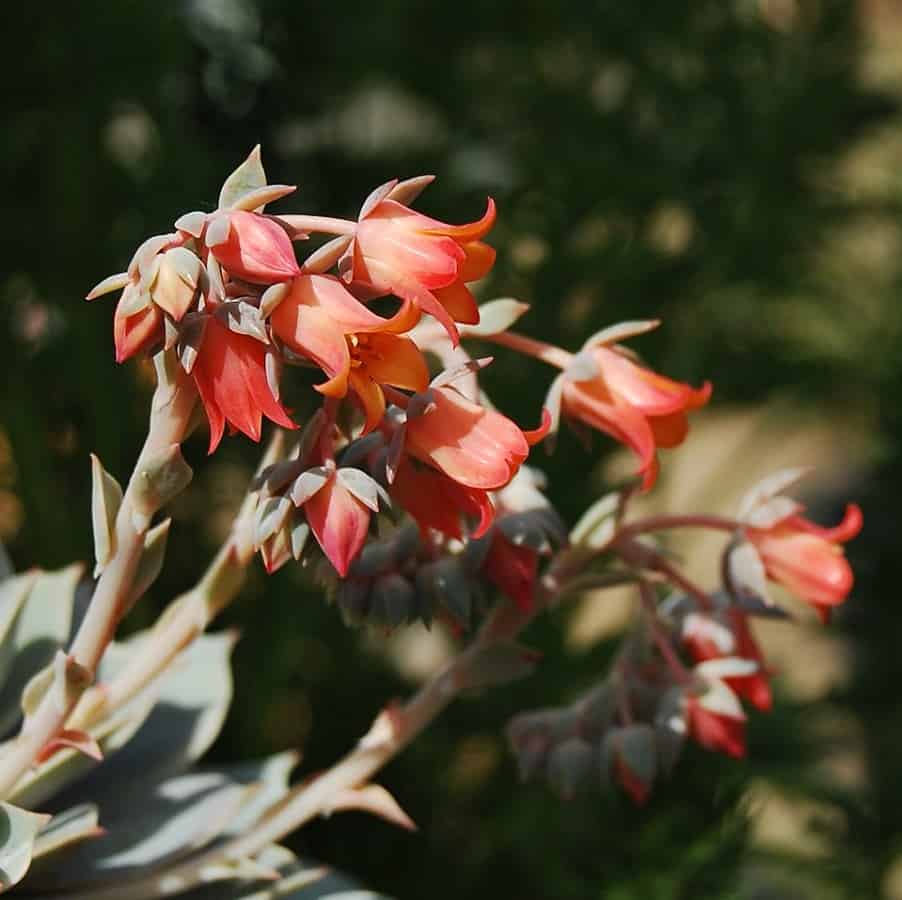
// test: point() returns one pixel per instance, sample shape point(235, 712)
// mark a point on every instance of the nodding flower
point(230, 373)
point(251, 247)
point(358, 350)
point(400, 251)
point(606, 389)
point(475, 446)
point(808, 560)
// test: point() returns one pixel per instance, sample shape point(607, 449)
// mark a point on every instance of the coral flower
point(475, 446)
point(357, 349)
point(632, 404)
point(339, 521)
point(437, 502)
point(397, 250)
point(251, 247)
point(230, 375)
point(808, 560)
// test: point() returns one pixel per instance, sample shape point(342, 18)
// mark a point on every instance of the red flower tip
point(539, 434)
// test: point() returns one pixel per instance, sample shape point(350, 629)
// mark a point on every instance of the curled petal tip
point(536, 435)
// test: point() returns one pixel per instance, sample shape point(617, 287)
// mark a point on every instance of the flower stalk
point(170, 417)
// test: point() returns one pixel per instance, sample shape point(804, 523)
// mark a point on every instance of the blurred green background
point(732, 166)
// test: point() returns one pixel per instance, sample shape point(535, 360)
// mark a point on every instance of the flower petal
point(339, 522)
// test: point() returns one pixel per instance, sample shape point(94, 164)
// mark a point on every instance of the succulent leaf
point(18, 827)
point(40, 628)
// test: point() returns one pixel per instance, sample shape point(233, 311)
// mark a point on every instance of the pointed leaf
point(366, 489)
point(18, 828)
point(193, 223)
point(495, 316)
point(613, 334)
point(66, 828)
point(151, 562)
point(108, 285)
point(745, 573)
point(770, 487)
point(13, 592)
point(256, 199)
point(243, 318)
point(596, 526)
point(41, 628)
point(375, 799)
point(249, 176)
point(309, 483)
point(273, 296)
point(106, 497)
point(322, 259)
point(405, 192)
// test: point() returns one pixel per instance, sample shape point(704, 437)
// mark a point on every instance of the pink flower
point(808, 560)
point(632, 404)
point(473, 445)
point(230, 373)
point(397, 250)
point(339, 521)
point(357, 349)
point(254, 248)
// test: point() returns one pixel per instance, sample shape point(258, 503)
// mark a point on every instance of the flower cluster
point(226, 290)
point(694, 658)
point(413, 486)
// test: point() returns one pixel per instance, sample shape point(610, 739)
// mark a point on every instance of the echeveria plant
point(407, 494)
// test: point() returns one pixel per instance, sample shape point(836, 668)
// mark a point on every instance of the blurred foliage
point(727, 166)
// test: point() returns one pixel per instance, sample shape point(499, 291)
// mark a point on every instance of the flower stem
point(662, 640)
point(391, 732)
point(170, 415)
point(643, 557)
point(547, 353)
point(662, 523)
point(321, 224)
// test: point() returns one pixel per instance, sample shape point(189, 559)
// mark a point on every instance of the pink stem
point(662, 642)
point(547, 353)
point(322, 224)
point(662, 523)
